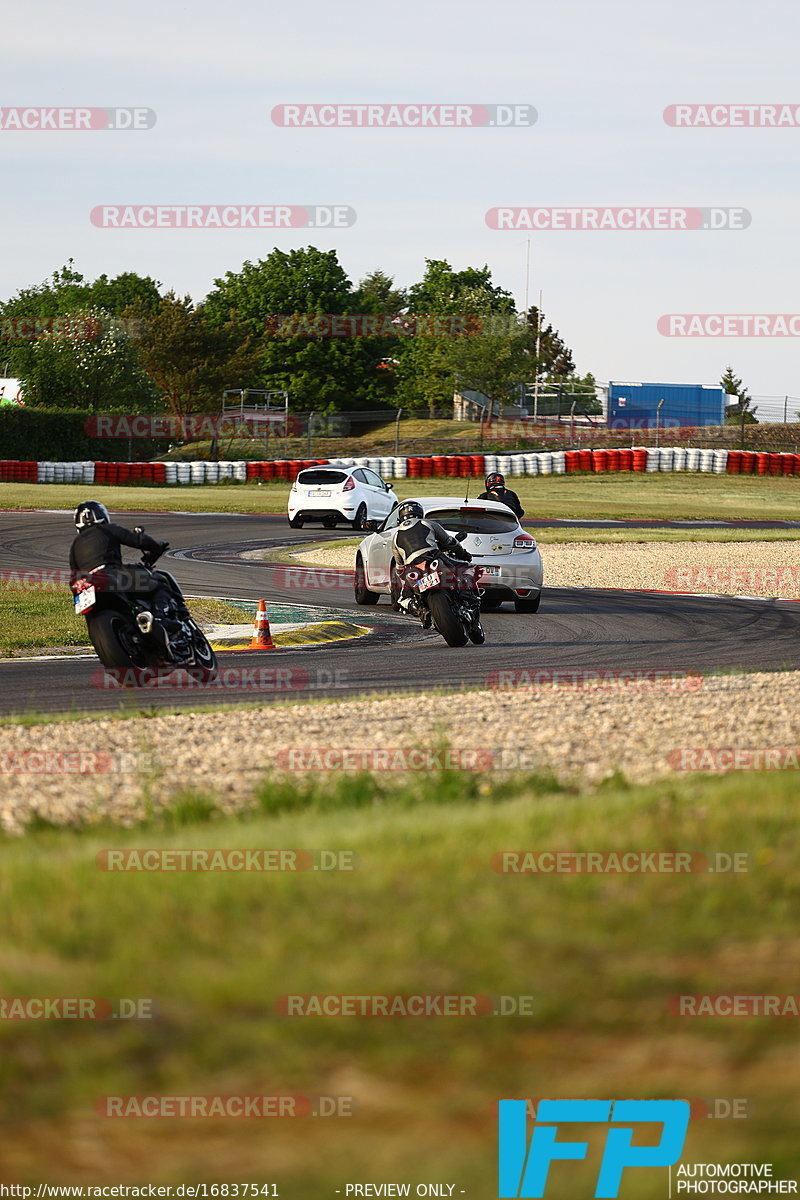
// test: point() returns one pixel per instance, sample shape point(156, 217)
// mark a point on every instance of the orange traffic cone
point(262, 638)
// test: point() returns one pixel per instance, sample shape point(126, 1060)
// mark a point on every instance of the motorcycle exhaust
point(145, 622)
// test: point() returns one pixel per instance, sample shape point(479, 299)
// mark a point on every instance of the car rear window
point(312, 477)
point(474, 521)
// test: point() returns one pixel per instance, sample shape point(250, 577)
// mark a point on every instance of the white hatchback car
point(334, 494)
point(509, 557)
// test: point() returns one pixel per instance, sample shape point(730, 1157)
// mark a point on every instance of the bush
point(45, 435)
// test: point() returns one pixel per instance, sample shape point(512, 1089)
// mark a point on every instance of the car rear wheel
point(490, 602)
point(329, 522)
point(362, 593)
point(360, 517)
point(296, 522)
point(528, 606)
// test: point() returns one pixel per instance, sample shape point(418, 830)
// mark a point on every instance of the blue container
point(635, 405)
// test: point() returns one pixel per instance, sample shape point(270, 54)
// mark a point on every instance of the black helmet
point(90, 512)
point(495, 480)
point(410, 510)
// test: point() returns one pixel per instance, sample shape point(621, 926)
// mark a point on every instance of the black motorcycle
point(138, 622)
point(445, 593)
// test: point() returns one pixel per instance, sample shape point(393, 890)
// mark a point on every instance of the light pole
point(658, 415)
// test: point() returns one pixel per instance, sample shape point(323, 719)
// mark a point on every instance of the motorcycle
point(445, 593)
point(128, 635)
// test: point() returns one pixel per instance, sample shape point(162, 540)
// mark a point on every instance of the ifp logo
point(523, 1169)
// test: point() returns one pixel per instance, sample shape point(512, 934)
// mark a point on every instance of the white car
point(508, 555)
point(334, 494)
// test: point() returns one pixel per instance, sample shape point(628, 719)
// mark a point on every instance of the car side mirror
point(388, 486)
point(138, 529)
point(373, 526)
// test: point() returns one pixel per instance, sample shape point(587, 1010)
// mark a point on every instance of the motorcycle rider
point(496, 490)
point(97, 545)
point(415, 538)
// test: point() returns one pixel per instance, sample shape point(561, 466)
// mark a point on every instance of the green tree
point(89, 362)
point(480, 343)
point(190, 360)
point(67, 308)
point(741, 412)
point(319, 372)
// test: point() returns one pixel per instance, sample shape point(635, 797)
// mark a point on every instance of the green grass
point(44, 619)
point(424, 912)
point(678, 496)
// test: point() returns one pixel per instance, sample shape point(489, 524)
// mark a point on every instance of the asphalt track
point(575, 629)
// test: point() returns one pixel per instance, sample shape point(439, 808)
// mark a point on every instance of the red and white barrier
point(446, 466)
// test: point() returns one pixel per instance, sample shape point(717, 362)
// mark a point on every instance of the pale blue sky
point(599, 76)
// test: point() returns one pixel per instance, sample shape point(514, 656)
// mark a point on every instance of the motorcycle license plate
point(84, 600)
point(491, 570)
point(427, 581)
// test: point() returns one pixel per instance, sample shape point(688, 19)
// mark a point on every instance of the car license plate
point(84, 600)
point(427, 581)
point(319, 492)
point(491, 570)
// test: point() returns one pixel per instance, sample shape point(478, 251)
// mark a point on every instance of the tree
point(376, 293)
point(89, 363)
point(555, 357)
point(481, 344)
point(283, 293)
point(741, 412)
point(190, 360)
point(77, 324)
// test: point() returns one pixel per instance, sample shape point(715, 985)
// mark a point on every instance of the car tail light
point(524, 541)
point(350, 483)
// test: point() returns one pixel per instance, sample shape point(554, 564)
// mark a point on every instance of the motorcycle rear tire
point(204, 669)
point(446, 619)
point(111, 633)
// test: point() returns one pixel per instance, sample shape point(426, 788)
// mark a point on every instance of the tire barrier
point(449, 466)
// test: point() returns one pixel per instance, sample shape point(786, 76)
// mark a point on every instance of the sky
point(598, 75)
